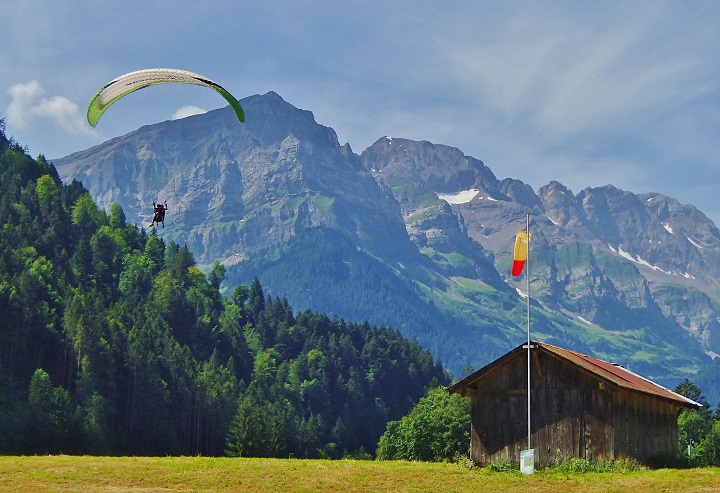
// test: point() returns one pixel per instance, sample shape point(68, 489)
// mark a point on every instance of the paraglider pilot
point(158, 214)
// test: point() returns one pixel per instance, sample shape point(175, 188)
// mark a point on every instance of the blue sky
point(586, 93)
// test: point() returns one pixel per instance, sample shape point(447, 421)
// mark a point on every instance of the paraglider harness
point(159, 214)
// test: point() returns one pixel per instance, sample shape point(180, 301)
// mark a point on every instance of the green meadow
point(38, 474)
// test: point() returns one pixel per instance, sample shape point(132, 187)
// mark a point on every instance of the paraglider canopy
point(125, 84)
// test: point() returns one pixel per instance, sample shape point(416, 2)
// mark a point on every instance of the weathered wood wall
point(573, 415)
point(645, 427)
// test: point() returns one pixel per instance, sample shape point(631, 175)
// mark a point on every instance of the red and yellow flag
point(521, 252)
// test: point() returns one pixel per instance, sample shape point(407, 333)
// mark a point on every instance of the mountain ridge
point(627, 277)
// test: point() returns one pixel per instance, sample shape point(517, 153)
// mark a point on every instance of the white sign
point(527, 461)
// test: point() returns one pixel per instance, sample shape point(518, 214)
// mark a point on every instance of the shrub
point(575, 465)
point(436, 429)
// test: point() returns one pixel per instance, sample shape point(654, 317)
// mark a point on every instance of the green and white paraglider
point(125, 84)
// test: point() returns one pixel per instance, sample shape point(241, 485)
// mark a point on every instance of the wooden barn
point(580, 407)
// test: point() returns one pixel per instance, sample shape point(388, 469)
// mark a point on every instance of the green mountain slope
point(114, 342)
point(418, 236)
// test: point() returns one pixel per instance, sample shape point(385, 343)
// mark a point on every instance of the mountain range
point(419, 236)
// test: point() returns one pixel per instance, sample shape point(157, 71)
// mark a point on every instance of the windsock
point(521, 252)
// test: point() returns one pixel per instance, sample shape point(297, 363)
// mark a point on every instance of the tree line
point(113, 341)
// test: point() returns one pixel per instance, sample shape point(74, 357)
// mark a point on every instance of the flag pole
point(527, 292)
point(520, 262)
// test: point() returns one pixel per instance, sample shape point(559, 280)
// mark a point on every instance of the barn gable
point(581, 407)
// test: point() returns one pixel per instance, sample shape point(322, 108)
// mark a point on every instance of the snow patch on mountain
point(459, 197)
point(640, 261)
point(693, 243)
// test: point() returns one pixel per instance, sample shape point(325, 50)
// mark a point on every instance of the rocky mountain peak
point(419, 236)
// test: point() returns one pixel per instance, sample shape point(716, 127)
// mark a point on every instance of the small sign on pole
point(527, 461)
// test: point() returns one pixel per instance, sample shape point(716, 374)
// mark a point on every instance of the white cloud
point(28, 104)
point(557, 76)
point(186, 111)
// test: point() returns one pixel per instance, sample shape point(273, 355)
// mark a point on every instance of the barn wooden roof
point(602, 370)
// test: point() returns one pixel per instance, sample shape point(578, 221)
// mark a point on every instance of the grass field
point(39, 474)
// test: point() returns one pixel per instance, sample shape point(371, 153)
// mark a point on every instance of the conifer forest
point(113, 341)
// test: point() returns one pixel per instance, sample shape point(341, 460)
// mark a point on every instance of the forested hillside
point(113, 341)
